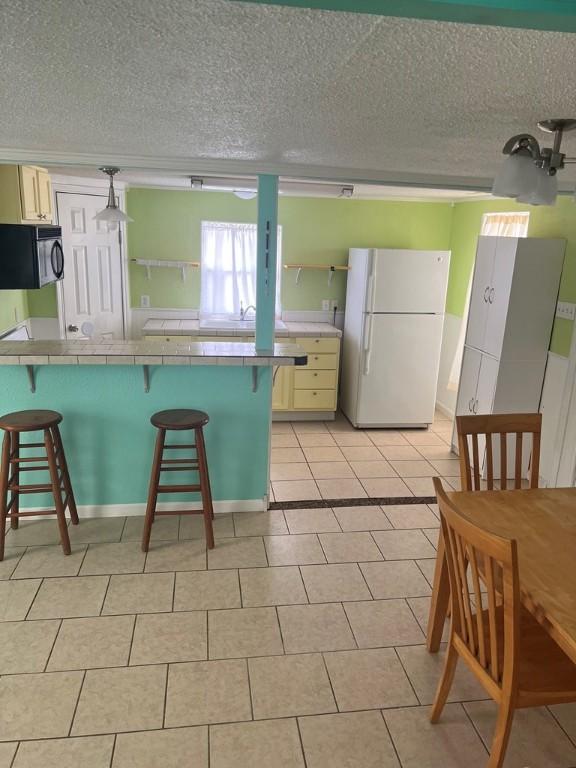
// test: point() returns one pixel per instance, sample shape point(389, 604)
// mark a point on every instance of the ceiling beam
point(552, 15)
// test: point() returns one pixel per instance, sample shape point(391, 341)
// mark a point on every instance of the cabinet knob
point(491, 296)
point(486, 293)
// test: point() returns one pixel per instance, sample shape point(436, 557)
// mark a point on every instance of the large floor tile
point(451, 743)
point(420, 607)
point(121, 699)
point(431, 452)
point(38, 706)
point(16, 598)
point(363, 518)
point(369, 679)
point(7, 752)
point(351, 439)
point(385, 487)
point(139, 593)
point(26, 645)
point(420, 486)
point(283, 455)
point(123, 557)
point(166, 556)
point(566, 716)
point(296, 490)
point(349, 547)
point(69, 598)
point(420, 437)
point(163, 529)
point(400, 452)
point(284, 441)
point(311, 520)
point(97, 530)
point(243, 632)
point(326, 470)
point(536, 739)
point(192, 527)
point(12, 557)
point(260, 523)
point(169, 637)
point(202, 590)
point(102, 641)
point(344, 488)
point(381, 623)
point(303, 549)
point(282, 428)
point(38, 562)
point(175, 748)
point(334, 583)
point(290, 685)
point(361, 453)
point(316, 440)
point(404, 545)
point(33, 533)
point(272, 586)
point(85, 751)
point(372, 468)
point(346, 740)
point(386, 437)
point(413, 468)
point(411, 516)
point(309, 628)
point(395, 578)
point(290, 470)
point(446, 467)
point(208, 692)
point(425, 670)
point(241, 552)
point(324, 453)
point(268, 743)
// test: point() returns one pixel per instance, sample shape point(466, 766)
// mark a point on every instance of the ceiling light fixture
point(112, 214)
point(529, 171)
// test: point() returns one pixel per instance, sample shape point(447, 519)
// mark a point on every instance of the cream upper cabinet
point(25, 195)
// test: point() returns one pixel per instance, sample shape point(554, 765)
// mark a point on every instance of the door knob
point(73, 328)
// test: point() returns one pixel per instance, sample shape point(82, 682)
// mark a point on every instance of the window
point(228, 268)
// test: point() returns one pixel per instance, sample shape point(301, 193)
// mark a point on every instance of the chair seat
point(29, 421)
point(180, 418)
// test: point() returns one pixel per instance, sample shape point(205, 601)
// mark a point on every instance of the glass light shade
point(245, 194)
point(545, 191)
point(112, 214)
point(517, 175)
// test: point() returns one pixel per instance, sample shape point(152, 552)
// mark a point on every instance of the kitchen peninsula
point(107, 391)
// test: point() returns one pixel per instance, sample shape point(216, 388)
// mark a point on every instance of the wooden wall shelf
point(163, 264)
point(331, 268)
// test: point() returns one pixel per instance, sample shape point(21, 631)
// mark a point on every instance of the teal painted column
point(267, 253)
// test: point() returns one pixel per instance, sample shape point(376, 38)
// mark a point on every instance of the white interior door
point(480, 294)
point(92, 285)
point(499, 295)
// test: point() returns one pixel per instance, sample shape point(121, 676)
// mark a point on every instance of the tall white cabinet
point(512, 308)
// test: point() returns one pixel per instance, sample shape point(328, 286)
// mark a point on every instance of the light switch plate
point(144, 301)
point(566, 310)
point(326, 305)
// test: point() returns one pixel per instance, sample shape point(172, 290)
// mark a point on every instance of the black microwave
point(31, 255)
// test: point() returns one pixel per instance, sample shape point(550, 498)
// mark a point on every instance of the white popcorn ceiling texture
point(227, 80)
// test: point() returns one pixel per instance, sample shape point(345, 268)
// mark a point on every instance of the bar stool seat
point(13, 464)
point(179, 419)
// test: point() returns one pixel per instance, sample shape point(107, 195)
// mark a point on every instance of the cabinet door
point(29, 194)
point(44, 187)
point(281, 390)
point(499, 295)
point(486, 384)
point(468, 381)
point(481, 283)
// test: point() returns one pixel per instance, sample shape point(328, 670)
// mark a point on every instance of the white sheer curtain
point(228, 267)
point(494, 225)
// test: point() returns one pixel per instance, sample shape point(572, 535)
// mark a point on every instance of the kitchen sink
point(226, 323)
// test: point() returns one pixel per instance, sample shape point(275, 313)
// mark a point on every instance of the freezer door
point(408, 281)
point(400, 370)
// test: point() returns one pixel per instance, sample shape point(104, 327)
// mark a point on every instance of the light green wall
point(42, 302)
point(545, 221)
point(13, 309)
point(314, 231)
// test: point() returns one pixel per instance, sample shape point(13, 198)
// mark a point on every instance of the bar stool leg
point(15, 495)
point(57, 491)
point(153, 489)
point(4, 471)
point(205, 490)
point(65, 475)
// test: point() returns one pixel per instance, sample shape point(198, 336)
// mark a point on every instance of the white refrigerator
point(392, 336)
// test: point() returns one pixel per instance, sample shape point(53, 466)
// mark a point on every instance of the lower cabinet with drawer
point(312, 388)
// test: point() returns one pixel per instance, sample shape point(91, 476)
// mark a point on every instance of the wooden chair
point(488, 425)
point(508, 651)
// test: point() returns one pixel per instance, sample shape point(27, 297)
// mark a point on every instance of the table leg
point(440, 599)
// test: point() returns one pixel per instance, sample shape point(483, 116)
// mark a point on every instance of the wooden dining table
point(543, 522)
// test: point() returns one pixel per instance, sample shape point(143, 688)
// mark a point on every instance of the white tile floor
point(297, 643)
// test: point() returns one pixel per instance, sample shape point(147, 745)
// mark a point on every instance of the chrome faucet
point(244, 312)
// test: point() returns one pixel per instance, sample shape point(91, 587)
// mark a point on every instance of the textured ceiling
point(194, 82)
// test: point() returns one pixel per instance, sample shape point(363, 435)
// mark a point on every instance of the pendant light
point(112, 214)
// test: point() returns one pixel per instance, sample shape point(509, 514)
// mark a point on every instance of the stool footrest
point(178, 488)
point(177, 461)
point(179, 447)
point(32, 445)
point(193, 468)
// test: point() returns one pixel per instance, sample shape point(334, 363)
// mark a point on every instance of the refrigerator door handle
point(371, 286)
point(367, 343)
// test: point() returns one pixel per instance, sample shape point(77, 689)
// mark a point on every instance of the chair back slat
point(471, 428)
point(490, 634)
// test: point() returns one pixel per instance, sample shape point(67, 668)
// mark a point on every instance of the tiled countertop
point(111, 352)
point(159, 327)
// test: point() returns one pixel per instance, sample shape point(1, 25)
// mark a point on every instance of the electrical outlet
point(566, 310)
point(326, 305)
point(144, 301)
point(334, 304)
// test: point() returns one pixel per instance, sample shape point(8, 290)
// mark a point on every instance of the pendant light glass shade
point(112, 214)
point(545, 191)
point(518, 175)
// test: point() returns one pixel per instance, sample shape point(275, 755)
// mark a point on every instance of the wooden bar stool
point(12, 464)
point(179, 420)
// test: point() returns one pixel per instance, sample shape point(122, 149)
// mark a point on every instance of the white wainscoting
point(445, 397)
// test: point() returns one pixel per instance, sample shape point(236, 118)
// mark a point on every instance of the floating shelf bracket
point(146, 372)
point(331, 268)
point(163, 263)
point(31, 379)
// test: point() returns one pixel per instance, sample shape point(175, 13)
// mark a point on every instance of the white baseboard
point(86, 511)
point(446, 410)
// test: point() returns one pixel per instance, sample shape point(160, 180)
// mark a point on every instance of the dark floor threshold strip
point(382, 501)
